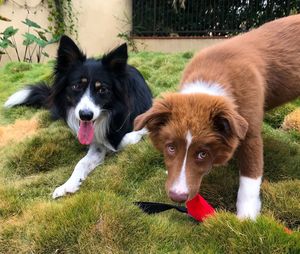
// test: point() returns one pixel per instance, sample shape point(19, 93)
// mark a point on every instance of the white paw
point(65, 188)
point(143, 131)
point(132, 138)
point(248, 209)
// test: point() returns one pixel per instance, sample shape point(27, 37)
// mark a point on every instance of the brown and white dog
point(224, 92)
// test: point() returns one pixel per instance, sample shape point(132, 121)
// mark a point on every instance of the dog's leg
point(132, 138)
point(250, 157)
point(86, 165)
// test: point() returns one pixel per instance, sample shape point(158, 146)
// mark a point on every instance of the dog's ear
point(68, 54)
point(116, 60)
point(229, 124)
point(155, 117)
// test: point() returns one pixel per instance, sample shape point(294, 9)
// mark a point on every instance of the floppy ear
point(116, 60)
point(68, 54)
point(230, 124)
point(155, 117)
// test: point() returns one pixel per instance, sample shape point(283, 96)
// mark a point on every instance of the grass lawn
point(100, 217)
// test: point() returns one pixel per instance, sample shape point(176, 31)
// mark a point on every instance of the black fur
point(125, 95)
point(39, 96)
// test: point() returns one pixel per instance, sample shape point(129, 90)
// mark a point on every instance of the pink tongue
point(86, 132)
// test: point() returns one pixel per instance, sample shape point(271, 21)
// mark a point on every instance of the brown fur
point(259, 70)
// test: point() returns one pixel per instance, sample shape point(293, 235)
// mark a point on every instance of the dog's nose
point(178, 197)
point(85, 115)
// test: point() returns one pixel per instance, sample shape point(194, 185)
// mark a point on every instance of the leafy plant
point(7, 39)
point(34, 41)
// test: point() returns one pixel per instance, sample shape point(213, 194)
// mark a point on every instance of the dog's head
point(194, 132)
point(88, 87)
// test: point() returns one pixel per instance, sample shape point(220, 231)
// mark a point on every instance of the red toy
point(197, 208)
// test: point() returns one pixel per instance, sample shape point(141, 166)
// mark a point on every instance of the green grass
point(101, 218)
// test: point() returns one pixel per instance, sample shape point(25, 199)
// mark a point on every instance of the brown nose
point(178, 197)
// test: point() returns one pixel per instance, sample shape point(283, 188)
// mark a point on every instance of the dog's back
point(281, 55)
point(269, 56)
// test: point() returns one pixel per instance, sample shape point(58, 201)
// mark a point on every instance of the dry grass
point(18, 131)
point(292, 121)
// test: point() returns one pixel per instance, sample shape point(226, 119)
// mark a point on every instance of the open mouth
point(86, 132)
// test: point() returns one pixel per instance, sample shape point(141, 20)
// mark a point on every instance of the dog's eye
point(77, 87)
point(201, 155)
point(171, 149)
point(102, 89)
point(84, 80)
point(97, 84)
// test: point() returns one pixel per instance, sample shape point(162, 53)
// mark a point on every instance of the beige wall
point(99, 23)
point(172, 45)
point(17, 13)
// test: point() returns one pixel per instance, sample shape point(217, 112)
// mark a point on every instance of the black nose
point(178, 197)
point(86, 115)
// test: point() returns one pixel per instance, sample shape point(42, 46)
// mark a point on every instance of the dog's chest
point(101, 129)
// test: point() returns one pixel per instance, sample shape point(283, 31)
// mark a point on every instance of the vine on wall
point(62, 17)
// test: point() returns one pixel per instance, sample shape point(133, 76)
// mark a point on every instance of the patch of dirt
point(292, 121)
point(18, 131)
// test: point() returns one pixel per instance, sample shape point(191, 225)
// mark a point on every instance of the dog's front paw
point(248, 209)
point(133, 137)
point(64, 189)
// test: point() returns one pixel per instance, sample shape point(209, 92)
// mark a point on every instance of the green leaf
point(3, 44)
point(27, 42)
point(10, 43)
point(41, 42)
point(41, 35)
point(29, 39)
point(46, 30)
point(9, 31)
point(45, 54)
point(30, 23)
point(54, 39)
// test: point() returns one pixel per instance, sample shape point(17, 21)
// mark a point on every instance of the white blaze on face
point(180, 185)
point(87, 103)
point(86, 129)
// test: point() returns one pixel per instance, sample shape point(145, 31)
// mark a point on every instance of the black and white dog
point(99, 100)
